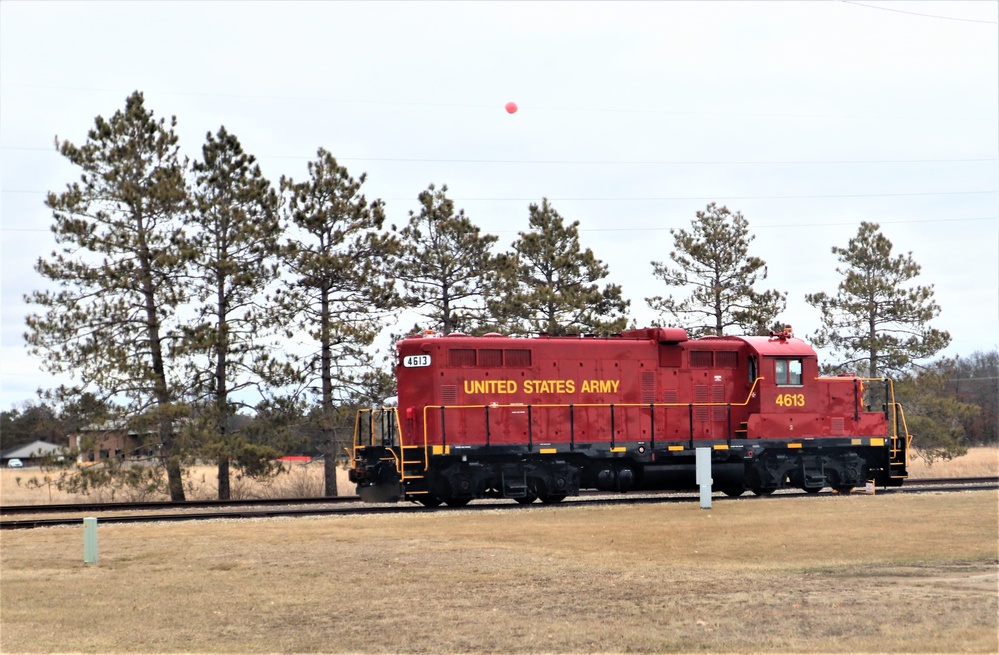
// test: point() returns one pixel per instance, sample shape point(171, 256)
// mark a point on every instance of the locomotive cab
point(811, 431)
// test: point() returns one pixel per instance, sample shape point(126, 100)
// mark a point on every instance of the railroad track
point(150, 512)
point(168, 504)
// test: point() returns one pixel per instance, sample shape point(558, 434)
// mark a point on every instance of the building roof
point(33, 449)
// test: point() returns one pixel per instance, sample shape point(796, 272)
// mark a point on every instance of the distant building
point(98, 442)
point(33, 454)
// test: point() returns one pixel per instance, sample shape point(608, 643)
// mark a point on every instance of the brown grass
point(200, 482)
point(978, 463)
point(881, 573)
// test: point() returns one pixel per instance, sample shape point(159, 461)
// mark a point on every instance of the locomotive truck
point(544, 417)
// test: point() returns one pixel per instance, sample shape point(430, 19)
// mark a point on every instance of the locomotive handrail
point(898, 415)
point(397, 458)
point(894, 413)
point(570, 406)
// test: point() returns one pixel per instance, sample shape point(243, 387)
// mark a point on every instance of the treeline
point(951, 404)
point(960, 397)
point(179, 288)
point(291, 429)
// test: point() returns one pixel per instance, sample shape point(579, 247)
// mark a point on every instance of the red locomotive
point(543, 417)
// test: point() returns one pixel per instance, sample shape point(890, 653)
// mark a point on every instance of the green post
point(90, 540)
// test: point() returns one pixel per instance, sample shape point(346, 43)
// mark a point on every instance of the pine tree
point(445, 265)
point(338, 292)
point(935, 418)
point(235, 232)
point(556, 288)
point(875, 321)
point(713, 258)
point(112, 321)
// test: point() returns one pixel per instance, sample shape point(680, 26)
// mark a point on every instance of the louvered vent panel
point(726, 359)
point(490, 357)
point(648, 387)
point(837, 426)
point(517, 358)
point(701, 359)
point(449, 394)
point(461, 357)
point(700, 396)
point(718, 396)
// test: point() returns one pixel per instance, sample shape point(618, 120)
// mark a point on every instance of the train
point(544, 417)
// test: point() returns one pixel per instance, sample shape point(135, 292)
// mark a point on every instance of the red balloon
point(511, 107)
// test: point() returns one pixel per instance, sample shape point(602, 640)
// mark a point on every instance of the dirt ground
point(827, 574)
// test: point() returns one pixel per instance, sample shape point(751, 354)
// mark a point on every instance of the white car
point(15, 463)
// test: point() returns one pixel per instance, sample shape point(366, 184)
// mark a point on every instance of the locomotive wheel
point(756, 484)
point(457, 502)
point(429, 501)
point(844, 489)
point(526, 500)
point(540, 489)
point(812, 490)
point(733, 492)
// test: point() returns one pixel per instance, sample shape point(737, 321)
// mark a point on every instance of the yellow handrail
point(397, 458)
point(749, 397)
point(897, 415)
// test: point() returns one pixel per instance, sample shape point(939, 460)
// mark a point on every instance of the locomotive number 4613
point(416, 361)
point(791, 399)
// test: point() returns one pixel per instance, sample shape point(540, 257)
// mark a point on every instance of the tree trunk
point(329, 447)
point(160, 388)
point(175, 480)
point(224, 491)
point(329, 467)
point(221, 389)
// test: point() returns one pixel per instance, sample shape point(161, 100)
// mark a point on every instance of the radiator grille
point(461, 357)
point(517, 358)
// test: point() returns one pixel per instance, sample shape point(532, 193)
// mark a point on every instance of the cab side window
point(788, 372)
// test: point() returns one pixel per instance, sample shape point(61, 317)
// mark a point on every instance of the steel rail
point(354, 508)
point(169, 504)
point(345, 500)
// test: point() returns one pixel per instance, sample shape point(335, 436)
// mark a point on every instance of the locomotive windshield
point(787, 372)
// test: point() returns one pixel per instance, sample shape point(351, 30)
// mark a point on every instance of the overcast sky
point(808, 117)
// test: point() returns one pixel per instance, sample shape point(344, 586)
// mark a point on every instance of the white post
point(704, 480)
point(90, 540)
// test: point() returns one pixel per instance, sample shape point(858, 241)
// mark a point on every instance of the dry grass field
point(979, 462)
point(201, 483)
point(800, 574)
point(302, 480)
